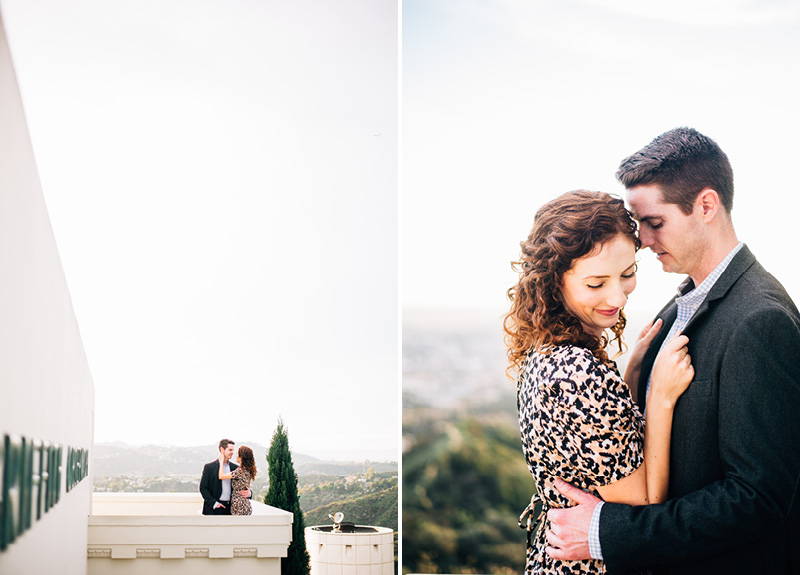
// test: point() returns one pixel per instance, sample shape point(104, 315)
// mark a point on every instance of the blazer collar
point(740, 263)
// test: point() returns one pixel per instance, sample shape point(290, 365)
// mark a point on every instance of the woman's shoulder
point(567, 355)
point(575, 367)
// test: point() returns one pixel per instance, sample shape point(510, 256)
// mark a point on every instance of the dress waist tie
point(533, 516)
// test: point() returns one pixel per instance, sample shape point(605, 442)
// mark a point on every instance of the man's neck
point(715, 252)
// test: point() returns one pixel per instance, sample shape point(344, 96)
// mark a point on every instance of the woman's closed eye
point(634, 268)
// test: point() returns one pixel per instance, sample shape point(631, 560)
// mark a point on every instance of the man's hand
point(218, 504)
point(568, 536)
point(245, 493)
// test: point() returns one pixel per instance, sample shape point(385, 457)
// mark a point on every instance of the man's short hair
point(225, 443)
point(682, 163)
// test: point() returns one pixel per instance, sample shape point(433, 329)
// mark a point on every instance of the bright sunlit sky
point(509, 103)
point(222, 180)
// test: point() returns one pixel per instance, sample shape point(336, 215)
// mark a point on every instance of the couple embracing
point(225, 486)
point(690, 463)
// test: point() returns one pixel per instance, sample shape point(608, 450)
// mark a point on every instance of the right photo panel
point(600, 340)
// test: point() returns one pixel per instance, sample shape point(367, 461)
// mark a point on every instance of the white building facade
point(46, 389)
point(146, 533)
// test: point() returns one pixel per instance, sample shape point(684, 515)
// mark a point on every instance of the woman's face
point(597, 285)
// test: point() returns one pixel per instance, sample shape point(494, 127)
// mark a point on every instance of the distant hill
point(113, 459)
point(377, 509)
point(465, 482)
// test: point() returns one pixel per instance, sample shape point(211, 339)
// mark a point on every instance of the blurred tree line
point(465, 482)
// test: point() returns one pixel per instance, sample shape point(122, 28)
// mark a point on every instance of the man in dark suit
point(735, 449)
point(216, 492)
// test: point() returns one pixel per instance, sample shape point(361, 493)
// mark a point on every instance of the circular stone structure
point(353, 550)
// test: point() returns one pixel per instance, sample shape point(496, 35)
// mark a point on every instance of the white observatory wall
point(46, 389)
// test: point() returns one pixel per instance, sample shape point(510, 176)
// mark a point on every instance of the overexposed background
point(509, 103)
point(221, 179)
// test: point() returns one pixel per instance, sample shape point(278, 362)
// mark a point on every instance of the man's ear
point(708, 203)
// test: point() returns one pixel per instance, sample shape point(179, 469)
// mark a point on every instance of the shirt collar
point(689, 294)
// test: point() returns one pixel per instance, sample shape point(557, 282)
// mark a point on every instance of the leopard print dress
point(240, 480)
point(578, 422)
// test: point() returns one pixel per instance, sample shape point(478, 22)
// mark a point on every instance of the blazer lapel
point(215, 478)
point(667, 315)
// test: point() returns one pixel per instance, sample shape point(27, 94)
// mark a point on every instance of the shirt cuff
point(594, 534)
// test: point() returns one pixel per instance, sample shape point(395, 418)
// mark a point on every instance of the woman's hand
point(646, 337)
point(672, 373)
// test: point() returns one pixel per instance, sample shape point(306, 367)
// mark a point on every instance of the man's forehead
point(646, 205)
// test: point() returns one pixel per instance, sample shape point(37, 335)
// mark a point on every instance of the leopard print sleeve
point(590, 419)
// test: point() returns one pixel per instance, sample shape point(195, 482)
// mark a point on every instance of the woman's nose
point(618, 298)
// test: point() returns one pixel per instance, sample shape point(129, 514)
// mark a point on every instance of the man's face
point(677, 239)
point(227, 452)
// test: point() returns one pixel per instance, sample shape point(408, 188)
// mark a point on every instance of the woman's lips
point(608, 312)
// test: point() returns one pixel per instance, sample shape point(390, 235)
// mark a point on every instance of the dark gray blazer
point(211, 485)
point(735, 452)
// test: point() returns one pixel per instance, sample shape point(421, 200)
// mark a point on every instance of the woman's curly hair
point(247, 461)
point(565, 229)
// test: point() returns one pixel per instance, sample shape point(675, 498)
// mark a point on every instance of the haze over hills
point(118, 458)
point(456, 358)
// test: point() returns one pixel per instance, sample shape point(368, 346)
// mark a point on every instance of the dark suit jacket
point(211, 485)
point(735, 451)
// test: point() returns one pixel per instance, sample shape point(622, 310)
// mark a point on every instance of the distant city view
point(454, 358)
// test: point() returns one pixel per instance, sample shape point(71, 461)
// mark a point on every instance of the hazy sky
point(509, 103)
point(222, 181)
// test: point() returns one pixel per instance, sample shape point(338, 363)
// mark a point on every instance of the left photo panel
point(199, 326)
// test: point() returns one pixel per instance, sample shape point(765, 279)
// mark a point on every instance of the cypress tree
point(283, 494)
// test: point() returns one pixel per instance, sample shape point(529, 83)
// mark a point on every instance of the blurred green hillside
point(465, 483)
point(374, 504)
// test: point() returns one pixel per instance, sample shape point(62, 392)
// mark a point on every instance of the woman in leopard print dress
point(577, 419)
point(240, 481)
